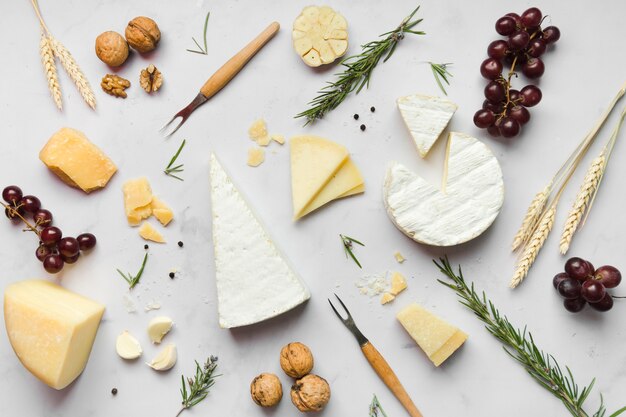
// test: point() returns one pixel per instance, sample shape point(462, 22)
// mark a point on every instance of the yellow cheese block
point(437, 338)
point(161, 211)
point(50, 329)
point(148, 232)
point(77, 161)
point(137, 200)
point(314, 162)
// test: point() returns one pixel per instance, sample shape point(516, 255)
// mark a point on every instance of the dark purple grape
point(42, 217)
point(592, 291)
point(569, 288)
point(536, 48)
point(574, 305)
point(497, 49)
point(494, 92)
point(533, 68)
point(68, 246)
point(496, 108)
point(509, 127)
point(531, 95)
point(50, 235)
point(491, 68)
point(494, 131)
point(520, 114)
point(515, 17)
point(551, 34)
point(519, 58)
point(484, 118)
point(505, 25)
point(531, 17)
point(86, 241)
point(590, 266)
point(578, 268)
point(42, 251)
point(12, 194)
point(53, 263)
point(519, 40)
point(514, 95)
point(30, 203)
point(10, 213)
point(608, 275)
point(603, 305)
point(558, 278)
point(70, 259)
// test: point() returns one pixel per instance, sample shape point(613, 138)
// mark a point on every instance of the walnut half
point(115, 85)
point(150, 79)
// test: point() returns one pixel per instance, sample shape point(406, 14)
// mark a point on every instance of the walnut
point(266, 390)
point(143, 34)
point(115, 85)
point(310, 393)
point(111, 48)
point(296, 360)
point(150, 79)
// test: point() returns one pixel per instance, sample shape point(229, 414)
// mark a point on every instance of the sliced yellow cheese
point(314, 162)
point(387, 298)
point(137, 200)
point(437, 338)
point(148, 232)
point(161, 211)
point(356, 190)
point(398, 283)
point(50, 329)
point(77, 161)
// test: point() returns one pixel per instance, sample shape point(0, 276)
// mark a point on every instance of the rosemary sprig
point(520, 345)
point(440, 72)
point(134, 280)
point(199, 385)
point(201, 50)
point(376, 410)
point(358, 70)
point(172, 170)
point(348, 242)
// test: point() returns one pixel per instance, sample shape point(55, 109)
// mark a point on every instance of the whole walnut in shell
point(143, 34)
point(310, 393)
point(296, 360)
point(111, 48)
point(266, 390)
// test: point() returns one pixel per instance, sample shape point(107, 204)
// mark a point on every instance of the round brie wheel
point(469, 203)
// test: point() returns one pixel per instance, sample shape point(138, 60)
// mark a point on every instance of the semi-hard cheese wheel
point(50, 329)
point(469, 203)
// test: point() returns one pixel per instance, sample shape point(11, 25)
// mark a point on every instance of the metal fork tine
point(334, 309)
point(349, 322)
point(344, 307)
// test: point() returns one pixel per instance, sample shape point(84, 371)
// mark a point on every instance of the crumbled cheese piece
point(148, 232)
point(387, 298)
point(278, 138)
point(256, 156)
point(399, 257)
point(372, 285)
point(258, 132)
point(398, 283)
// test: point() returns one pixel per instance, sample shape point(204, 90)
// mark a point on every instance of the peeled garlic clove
point(127, 346)
point(165, 359)
point(159, 327)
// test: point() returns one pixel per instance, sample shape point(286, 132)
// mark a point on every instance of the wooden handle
point(226, 73)
point(390, 379)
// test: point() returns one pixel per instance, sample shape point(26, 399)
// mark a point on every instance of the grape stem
point(13, 211)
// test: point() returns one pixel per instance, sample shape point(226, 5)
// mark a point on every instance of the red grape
point(68, 247)
point(30, 203)
point(50, 235)
point(603, 305)
point(494, 131)
point(70, 259)
point(505, 25)
point(520, 114)
point(53, 263)
point(515, 17)
point(497, 49)
point(86, 241)
point(531, 17)
point(558, 278)
point(494, 92)
point(592, 291)
point(42, 217)
point(509, 127)
point(12, 194)
point(569, 288)
point(496, 108)
point(574, 305)
point(519, 40)
point(514, 96)
point(484, 118)
point(578, 268)
point(42, 251)
point(551, 34)
point(609, 276)
point(533, 68)
point(491, 68)
point(531, 95)
point(536, 48)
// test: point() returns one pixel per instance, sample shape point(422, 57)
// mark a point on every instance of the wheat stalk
point(532, 217)
point(49, 66)
point(73, 70)
point(535, 243)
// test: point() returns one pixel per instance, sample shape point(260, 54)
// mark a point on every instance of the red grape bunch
point(54, 250)
point(505, 110)
point(581, 284)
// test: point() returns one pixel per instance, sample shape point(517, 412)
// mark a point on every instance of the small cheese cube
point(387, 298)
point(161, 211)
point(50, 329)
point(399, 257)
point(437, 338)
point(137, 200)
point(148, 232)
point(78, 162)
point(278, 138)
point(256, 156)
point(398, 283)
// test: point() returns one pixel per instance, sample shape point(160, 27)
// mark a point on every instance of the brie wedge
point(254, 280)
point(425, 117)
point(473, 196)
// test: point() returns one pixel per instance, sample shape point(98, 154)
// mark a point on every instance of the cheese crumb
point(148, 232)
point(398, 283)
point(387, 298)
point(399, 257)
point(258, 130)
point(263, 141)
point(278, 138)
point(256, 156)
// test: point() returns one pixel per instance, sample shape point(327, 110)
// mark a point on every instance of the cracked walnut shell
point(266, 390)
point(142, 34)
point(115, 85)
point(296, 360)
point(310, 393)
point(150, 79)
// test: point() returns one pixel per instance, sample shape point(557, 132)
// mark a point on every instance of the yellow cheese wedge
point(437, 338)
point(161, 211)
point(314, 162)
point(50, 329)
point(137, 200)
point(398, 283)
point(387, 298)
point(148, 232)
point(77, 161)
point(347, 181)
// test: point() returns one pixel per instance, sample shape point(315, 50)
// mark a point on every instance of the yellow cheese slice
point(387, 298)
point(161, 211)
point(148, 232)
point(50, 329)
point(347, 181)
point(398, 283)
point(314, 162)
point(137, 200)
point(437, 338)
point(77, 161)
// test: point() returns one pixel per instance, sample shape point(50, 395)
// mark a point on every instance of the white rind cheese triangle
point(425, 117)
point(254, 280)
point(473, 196)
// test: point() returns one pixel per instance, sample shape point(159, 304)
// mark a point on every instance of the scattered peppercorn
point(145, 247)
point(372, 109)
point(172, 275)
point(362, 127)
point(180, 243)
point(356, 116)
point(114, 391)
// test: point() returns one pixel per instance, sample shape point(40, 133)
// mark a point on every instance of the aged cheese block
point(50, 329)
point(137, 200)
point(77, 161)
point(148, 232)
point(254, 280)
point(471, 200)
point(425, 117)
point(437, 338)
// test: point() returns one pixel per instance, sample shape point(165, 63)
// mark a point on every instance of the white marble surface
point(582, 73)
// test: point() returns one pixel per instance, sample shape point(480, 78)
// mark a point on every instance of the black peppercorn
point(145, 247)
point(180, 243)
point(372, 109)
point(362, 127)
point(356, 116)
point(172, 275)
point(114, 391)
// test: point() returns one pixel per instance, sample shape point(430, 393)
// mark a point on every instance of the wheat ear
point(587, 190)
point(535, 243)
point(50, 68)
point(532, 217)
point(73, 70)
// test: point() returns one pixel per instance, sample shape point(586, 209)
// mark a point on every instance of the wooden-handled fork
point(378, 363)
point(223, 75)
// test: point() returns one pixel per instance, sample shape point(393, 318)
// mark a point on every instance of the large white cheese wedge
point(474, 193)
point(254, 280)
point(51, 329)
point(425, 117)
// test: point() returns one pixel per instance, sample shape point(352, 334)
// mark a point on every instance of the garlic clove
point(159, 327)
point(164, 360)
point(127, 346)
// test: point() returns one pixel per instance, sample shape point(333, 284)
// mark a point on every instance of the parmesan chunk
point(256, 157)
point(148, 232)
